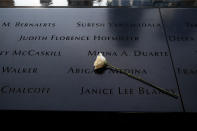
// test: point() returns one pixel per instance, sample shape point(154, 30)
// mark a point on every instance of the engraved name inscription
point(80, 70)
point(128, 53)
point(176, 38)
point(77, 38)
point(19, 70)
point(121, 91)
point(6, 89)
point(20, 24)
point(191, 25)
point(186, 71)
point(30, 52)
point(83, 24)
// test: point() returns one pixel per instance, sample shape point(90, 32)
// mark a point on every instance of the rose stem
point(143, 81)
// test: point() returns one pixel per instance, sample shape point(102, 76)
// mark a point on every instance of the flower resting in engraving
point(101, 62)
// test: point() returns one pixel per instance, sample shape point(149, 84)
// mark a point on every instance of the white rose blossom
point(101, 62)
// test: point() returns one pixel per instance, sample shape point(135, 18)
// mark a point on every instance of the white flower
point(100, 61)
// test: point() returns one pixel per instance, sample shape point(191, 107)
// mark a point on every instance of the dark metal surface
point(181, 31)
point(66, 80)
